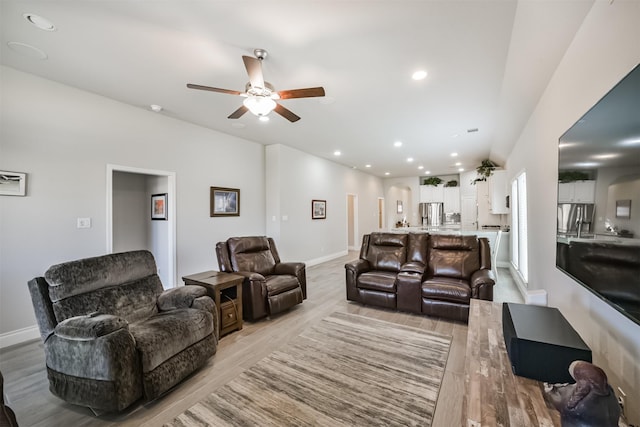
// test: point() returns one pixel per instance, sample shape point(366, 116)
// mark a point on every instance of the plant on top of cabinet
point(452, 183)
point(432, 180)
point(485, 170)
point(570, 176)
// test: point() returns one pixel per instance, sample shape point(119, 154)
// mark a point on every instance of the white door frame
point(356, 243)
point(171, 204)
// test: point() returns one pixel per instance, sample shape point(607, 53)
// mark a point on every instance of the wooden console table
point(493, 394)
point(226, 291)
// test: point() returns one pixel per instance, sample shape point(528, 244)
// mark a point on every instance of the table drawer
point(228, 314)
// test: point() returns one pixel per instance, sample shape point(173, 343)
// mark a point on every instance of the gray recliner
point(112, 335)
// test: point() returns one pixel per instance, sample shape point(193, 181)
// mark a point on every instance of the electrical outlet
point(83, 223)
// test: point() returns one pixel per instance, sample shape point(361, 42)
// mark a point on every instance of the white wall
point(604, 50)
point(64, 138)
point(294, 179)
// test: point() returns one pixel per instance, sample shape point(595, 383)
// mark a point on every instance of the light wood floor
point(26, 385)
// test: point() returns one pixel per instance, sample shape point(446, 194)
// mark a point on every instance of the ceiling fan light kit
point(260, 96)
point(259, 105)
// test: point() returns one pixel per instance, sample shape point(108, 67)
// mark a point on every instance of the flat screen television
point(598, 235)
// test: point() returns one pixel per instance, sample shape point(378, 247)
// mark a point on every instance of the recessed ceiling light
point(409, 159)
point(264, 118)
point(461, 170)
point(419, 75)
point(39, 21)
point(367, 166)
point(397, 144)
point(427, 173)
point(454, 154)
point(458, 163)
point(155, 107)
point(27, 50)
point(387, 173)
point(336, 153)
point(420, 167)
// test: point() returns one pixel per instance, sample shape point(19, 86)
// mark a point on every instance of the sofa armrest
point(181, 297)
point(482, 282)
point(413, 267)
point(89, 327)
point(297, 269)
point(205, 303)
point(291, 268)
point(358, 266)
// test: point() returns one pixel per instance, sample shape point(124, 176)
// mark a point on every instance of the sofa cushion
point(168, 333)
point(89, 274)
point(251, 254)
point(453, 256)
point(387, 251)
point(281, 283)
point(446, 289)
point(132, 301)
point(384, 281)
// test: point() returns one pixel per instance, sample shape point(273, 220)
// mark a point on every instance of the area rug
point(348, 370)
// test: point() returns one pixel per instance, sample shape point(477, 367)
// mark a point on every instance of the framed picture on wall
point(623, 209)
point(13, 183)
point(318, 209)
point(159, 207)
point(224, 201)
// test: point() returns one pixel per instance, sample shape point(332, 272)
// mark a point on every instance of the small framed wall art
point(224, 201)
point(623, 209)
point(399, 207)
point(318, 209)
point(13, 183)
point(159, 207)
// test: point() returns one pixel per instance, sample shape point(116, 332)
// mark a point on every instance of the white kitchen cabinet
point(577, 192)
point(432, 193)
point(451, 199)
point(498, 192)
point(485, 216)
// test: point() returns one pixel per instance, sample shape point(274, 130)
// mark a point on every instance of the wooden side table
point(226, 291)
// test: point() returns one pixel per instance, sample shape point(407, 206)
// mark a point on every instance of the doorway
point(129, 223)
point(352, 222)
point(380, 213)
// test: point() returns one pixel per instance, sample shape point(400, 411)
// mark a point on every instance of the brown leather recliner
point(459, 268)
point(270, 286)
point(389, 271)
point(421, 273)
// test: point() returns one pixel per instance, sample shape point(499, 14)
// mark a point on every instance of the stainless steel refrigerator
point(575, 219)
point(432, 213)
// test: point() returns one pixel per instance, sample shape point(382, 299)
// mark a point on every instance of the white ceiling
point(488, 64)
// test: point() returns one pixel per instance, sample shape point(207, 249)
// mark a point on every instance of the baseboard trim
point(19, 336)
point(326, 258)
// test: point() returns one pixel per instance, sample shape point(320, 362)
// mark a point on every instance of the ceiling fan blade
point(287, 114)
point(254, 70)
point(214, 89)
point(310, 92)
point(238, 113)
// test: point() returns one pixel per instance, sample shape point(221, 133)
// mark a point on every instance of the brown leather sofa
point(270, 286)
point(422, 273)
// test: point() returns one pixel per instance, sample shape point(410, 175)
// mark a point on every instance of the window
point(519, 226)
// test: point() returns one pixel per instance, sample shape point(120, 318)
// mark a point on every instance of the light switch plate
point(84, 223)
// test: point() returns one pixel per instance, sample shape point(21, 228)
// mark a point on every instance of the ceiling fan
point(260, 96)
